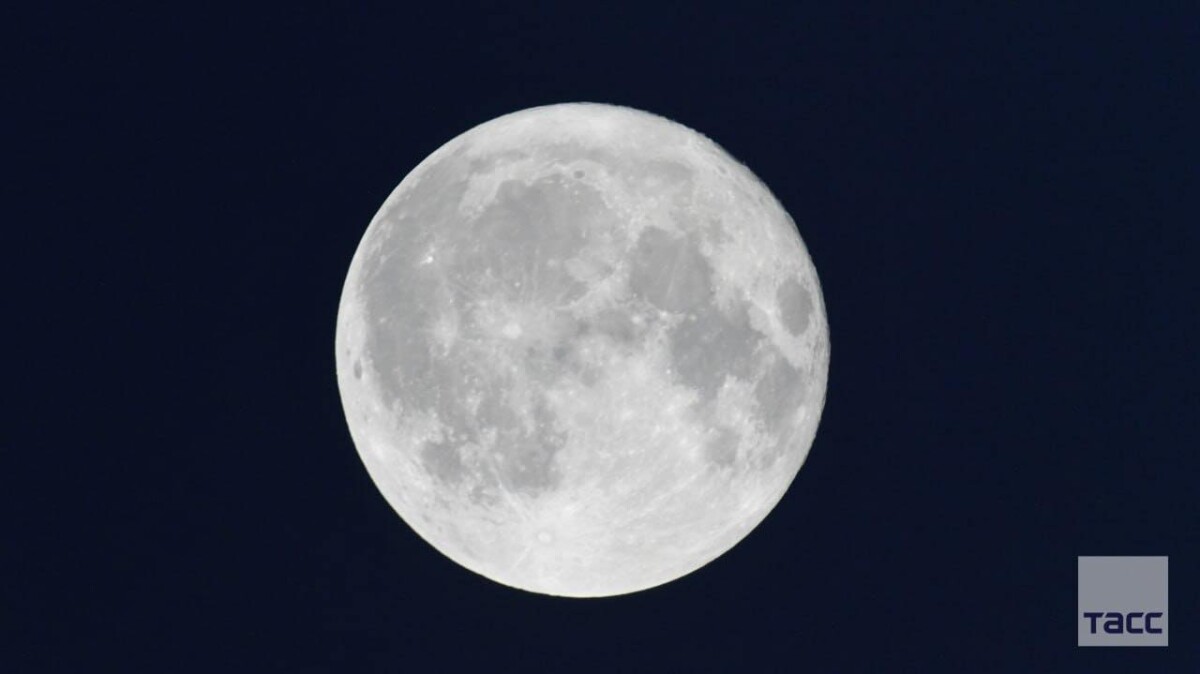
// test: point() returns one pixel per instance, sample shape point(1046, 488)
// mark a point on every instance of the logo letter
point(1129, 623)
point(1149, 626)
point(1114, 623)
point(1092, 617)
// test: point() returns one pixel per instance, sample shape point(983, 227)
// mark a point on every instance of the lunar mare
point(581, 350)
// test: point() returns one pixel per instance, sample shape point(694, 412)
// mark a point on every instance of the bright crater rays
point(581, 350)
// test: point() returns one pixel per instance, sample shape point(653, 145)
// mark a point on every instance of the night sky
point(1003, 208)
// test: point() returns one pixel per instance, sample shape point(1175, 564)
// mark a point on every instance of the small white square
point(1122, 601)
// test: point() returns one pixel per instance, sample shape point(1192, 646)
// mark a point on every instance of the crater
point(399, 311)
point(708, 345)
point(615, 324)
point(795, 305)
point(519, 243)
point(400, 355)
point(721, 448)
point(780, 392)
point(525, 450)
point(443, 461)
point(669, 271)
point(668, 173)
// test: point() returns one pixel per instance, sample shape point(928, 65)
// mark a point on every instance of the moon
point(581, 350)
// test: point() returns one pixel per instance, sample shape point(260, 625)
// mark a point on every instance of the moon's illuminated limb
point(582, 351)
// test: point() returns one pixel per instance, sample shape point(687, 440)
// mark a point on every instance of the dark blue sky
point(1003, 206)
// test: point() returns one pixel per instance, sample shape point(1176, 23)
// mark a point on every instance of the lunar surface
point(582, 351)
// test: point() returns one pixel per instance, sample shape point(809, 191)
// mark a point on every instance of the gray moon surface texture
point(582, 351)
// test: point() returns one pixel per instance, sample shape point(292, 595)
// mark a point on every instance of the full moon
point(581, 350)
